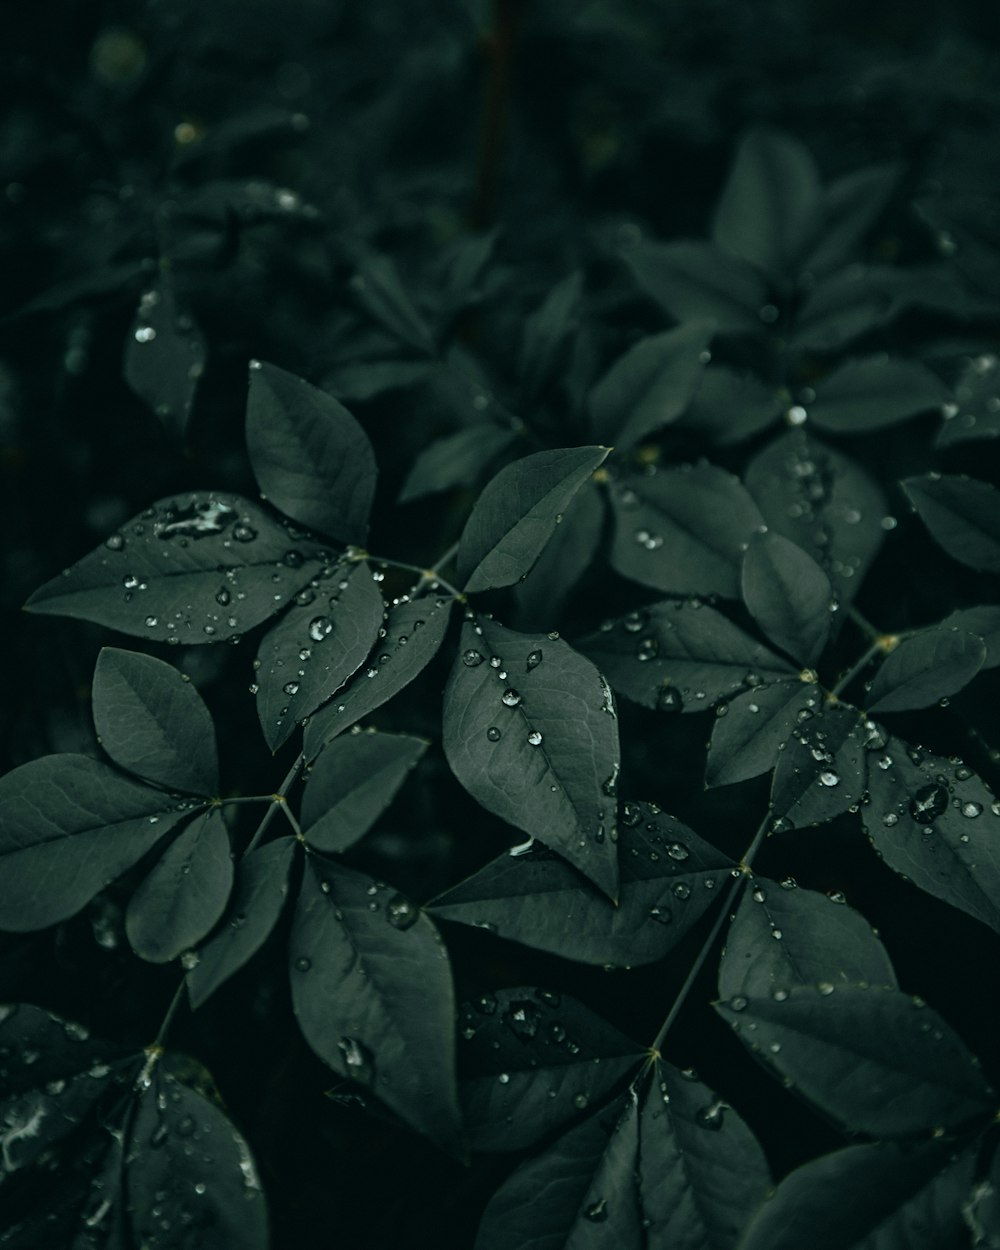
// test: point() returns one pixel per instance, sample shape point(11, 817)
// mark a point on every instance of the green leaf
point(372, 992)
point(748, 736)
point(900, 1195)
point(682, 531)
point(789, 596)
point(851, 302)
point(153, 722)
point(873, 1059)
point(770, 201)
point(547, 338)
point(352, 782)
point(185, 892)
point(669, 878)
point(201, 567)
point(698, 280)
point(530, 1061)
point(851, 206)
point(533, 736)
point(650, 385)
point(256, 902)
point(873, 392)
point(377, 286)
point(962, 514)
point(357, 381)
point(164, 356)
point(679, 656)
point(567, 555)
point(822, 770)
point(702, 1173)
point(983, 621)
point(316, 646)
point(415, 629)
point(782, 936)
point(71, 826)
point(517, 513)
point(455, 460)
point(935, 822)
point(309, 455)
point(975, 410)
point(730, 406)
point(924, 668)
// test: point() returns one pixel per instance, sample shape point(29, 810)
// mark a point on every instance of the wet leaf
point(924, 668)
point(164, 356)
point(822, 770)
point(962, 514)
point(758, 723)
point(693, 280)
point(983, 621)
point(789, 596)
point(872, 392)
point(975, 411)
point(567, 555)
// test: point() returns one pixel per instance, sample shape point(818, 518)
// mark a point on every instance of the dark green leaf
point(195, 568)
point(822, 770)
point(518, 512)
point(151, 720)
point(679, 656)
point(564, 559)
point(750, 733)
point(357, 381)
point(669, 879)
point(701, 1172)
point(874, 391)
point(851, 206)
point(309, 455)
point(935, 822)
point(378, 289)
point(316, 646)
point(975, 410)
point(873, 1059)
point(789, 596)
point(849, 303)
point(414, 629)
point(770, 201)
point(730, 406)
point(352, 782)
point(164, 356)
point(530, 1061)
point(783, 936)
point(962, 514)
point(70, 827)
point(683, 530)
point(547, 337)
point(924, 668)
point(185, 893)
point(254, 907)
point(650, 385)
point(983, 621)
point(372, 992)
point(695, 280)
point(455, 460)
point(897, 1196)
point(110, 276)
point(532, 734)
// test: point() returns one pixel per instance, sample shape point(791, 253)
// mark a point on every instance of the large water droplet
point(472, 658)
point(493, 734)
point(523, 1018)
point(320, 627)
point(928, 803)
point(711, 1117)
point(535, 738)
point(510, 698)
point(597, 1212)
point(401, 913)
point(358, 1059)
point(533, 660)
point(669, 699)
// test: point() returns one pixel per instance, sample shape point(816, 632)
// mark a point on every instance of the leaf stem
point(249, 798)
point(863, 623)
point(292, 819)
point(876, 648)
point(426, 576)
point(277, 800)
point(168, 1019)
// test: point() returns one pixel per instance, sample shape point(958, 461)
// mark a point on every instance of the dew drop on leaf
point(401, 913)
point(510, 698)
point(661, 914)
point(597, 1212)
point(670, 699)
point(472, 658)
point(320, 627)
point(928, 803)
point(533, 660)
point(493, 734)
point(535, 738)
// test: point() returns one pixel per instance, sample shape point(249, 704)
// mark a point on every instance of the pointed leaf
point(531, 1060)
point(548, 332)
point(698, 280)
point(650, 385)
point(789, 596)
point(682, 531)
point(730, 406)
point(415, 629)
point(669, 879)
point(164, 356)
point(748, 736)
point(935, 822)
point(518, 512)
point(316, 646)
point(256, 902)
point(352, 782)
point(455, 460)
point(975, 410)
point(873, 392)
point(565, 558)
point(850, 302)
point(924, 668)
point(372, 993)
point(309, 455)
point(822, 771)
point(679, 656)
point(533, 736)
point(360, 380)
point(962, 514)
point(201, 567)
point(153, 722)
point(983, 621)
point(71, 826)
point(377, 286)
point(851, 206)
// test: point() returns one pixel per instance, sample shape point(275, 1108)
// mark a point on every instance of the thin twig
point(877, 648)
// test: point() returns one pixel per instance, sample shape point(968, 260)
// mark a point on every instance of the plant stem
point(277, 800)
point(875, 649)
point(168, 1019)
point(292, 819)
point(863, 623)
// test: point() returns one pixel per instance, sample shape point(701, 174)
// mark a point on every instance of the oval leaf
point(873, 392)
point(455, 460)
point(697, 280)
point(962, 514)
point(748, 736)
point(789, 596)
point(822, 771)
point(924, 668)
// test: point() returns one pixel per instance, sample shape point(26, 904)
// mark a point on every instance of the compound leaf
point(962, 514)
point(873, 392)
point(789, 596)
point(924, 668)
point(693, 280)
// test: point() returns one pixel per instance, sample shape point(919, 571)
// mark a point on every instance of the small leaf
point(309, 455)
point(371, 988)
point(650, 385)
point(975, 412)
point(534, 739)
point(357, 381)
point(151, 720)
point(698, 280)
point(455, 460)
point(164, 356)
point(962, 514)
point(195, 568)
point(567, 555)
point(531, 1060)
point(936, 822)
point(71, 826)
point(821, 941)
point(983, 621)
point(377, 286)
point(822, 771)
point(851, 206)
point(873, 392)
point(851, 302)
point(254, 907)
point(924, 668)
point(351, 783)
point(518, 512)
point(730, 406)
point(185, 893)
point(874, 1060)
point(746, 741)
point(415, 629)
point(669, 878)
point(682, 531)
point(679, 655)
point(547, 337)
point(789, 596)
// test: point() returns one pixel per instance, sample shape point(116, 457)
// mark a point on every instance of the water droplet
point(523, 1018)
point(114, 542)
point(244, 533)
point(533, 660)
point(928, 802)
point(661, 914)
point(320, 627)
point(669, 699)
point(472, 658)
point(825, 987)
point(711, 1117)
point(646, 649)
point(401, 913)
point(535, 738)
point(493, 734)
point(144, 334)
point(504, 1078)
point(972, 810)
point(580, 1101)
point(779, 996)
point(829, 778)
point(890, 819)
point(597, 1212)
point(510, 698)
point(357, 1057)
point(678, 851)
point(151, 622)
point(291, 687)
point(302, 964)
